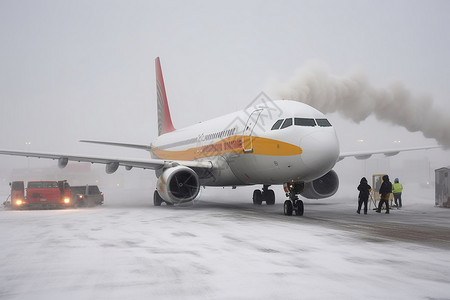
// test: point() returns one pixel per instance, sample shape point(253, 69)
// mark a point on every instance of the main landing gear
point(265, 195)
point(293, 204)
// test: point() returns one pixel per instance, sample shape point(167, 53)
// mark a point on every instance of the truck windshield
point(42, 185)
point(17, 186)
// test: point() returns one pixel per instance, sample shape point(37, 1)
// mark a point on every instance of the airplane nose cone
point(320, 152)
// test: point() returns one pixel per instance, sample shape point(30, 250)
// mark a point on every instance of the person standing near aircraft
point(364, 191)
point(397, 189)
point(385, 190)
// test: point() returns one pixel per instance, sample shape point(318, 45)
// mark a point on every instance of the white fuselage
point(244, 148)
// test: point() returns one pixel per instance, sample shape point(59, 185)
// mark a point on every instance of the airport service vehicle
point(278, 142)
point(40, 194)
point(87, 195)
point(442, 187)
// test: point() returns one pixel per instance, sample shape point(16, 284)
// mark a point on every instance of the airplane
point(280, 142)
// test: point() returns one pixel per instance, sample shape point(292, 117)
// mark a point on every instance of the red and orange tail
point(164, 120)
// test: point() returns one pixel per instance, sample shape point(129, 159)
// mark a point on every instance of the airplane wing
point(141, 147)
point(390, 152)
point(112, 163)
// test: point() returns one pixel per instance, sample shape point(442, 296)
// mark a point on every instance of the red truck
point(41, 194)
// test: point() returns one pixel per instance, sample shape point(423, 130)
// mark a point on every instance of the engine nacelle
point(178, 185)
point(62, 162)
point(111, 167)
point(324, 187)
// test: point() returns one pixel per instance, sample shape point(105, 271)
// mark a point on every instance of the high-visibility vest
point(397, 188)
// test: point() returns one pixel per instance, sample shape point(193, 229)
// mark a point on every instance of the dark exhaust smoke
point(356, 99)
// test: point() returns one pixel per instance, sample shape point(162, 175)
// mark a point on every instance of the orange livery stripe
point(232, 144)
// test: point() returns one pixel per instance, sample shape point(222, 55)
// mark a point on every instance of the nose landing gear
point(293, 204)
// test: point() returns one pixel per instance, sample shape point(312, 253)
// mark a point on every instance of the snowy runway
point(219, 250)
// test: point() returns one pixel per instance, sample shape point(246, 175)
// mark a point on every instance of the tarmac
point(224, 247)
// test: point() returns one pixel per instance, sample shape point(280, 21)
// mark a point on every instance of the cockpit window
point(300, 122)
point(287, 123)
point(277, 124)
point(304, 122)
point(323, 123)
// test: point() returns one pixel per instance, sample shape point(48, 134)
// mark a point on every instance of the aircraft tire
point(270, 197)
point(300, 208)
point(257, 197)
point(288, 208)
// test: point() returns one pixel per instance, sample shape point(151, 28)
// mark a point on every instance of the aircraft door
point(200, 144)
point(247, 136)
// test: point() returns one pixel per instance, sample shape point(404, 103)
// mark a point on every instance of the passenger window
point(323, 123)
point(287, 123)
point(277, 124)
point(304, 122)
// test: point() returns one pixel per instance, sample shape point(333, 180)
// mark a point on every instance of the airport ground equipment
point(40, 194)
point(442, 187)
point(87, 195)
point(377, 180)
point(372, 200)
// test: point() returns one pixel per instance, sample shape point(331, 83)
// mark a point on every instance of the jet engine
point(111, 167)
point(62, 162)
point(323, 187)
point(178, 184)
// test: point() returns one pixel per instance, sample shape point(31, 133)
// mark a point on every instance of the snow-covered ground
point(224, 247)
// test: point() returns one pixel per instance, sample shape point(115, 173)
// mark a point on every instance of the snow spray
point(355, 98)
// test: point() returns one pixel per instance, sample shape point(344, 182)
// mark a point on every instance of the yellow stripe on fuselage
point(232, 144)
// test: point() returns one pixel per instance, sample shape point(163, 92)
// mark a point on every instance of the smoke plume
point(356, 99)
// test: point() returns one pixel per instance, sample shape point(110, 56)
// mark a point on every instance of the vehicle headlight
point(66, 200)
point(19, 202)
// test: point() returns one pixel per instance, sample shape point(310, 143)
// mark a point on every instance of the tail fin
point(164, 120)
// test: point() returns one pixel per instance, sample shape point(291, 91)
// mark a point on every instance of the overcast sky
point(73, 70)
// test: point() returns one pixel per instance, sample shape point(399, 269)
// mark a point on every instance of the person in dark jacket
point(364, 191)
point(385, 191)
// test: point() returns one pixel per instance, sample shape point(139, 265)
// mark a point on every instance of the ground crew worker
point(397, 189)
point(385, 191)
point(364, 191)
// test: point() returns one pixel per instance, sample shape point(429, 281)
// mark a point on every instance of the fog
point(85, 70)
point(72, 70)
